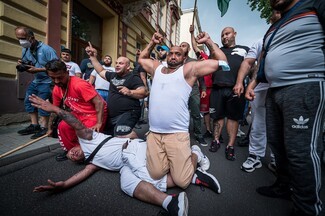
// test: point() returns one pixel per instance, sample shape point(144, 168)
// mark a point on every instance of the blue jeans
point(42, 90)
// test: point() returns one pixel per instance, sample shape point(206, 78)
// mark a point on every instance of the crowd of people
point(100, 106)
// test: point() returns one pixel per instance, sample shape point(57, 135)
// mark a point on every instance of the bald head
point(122, 66)
point(228, 36)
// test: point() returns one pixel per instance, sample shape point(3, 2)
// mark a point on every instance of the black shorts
point(224, 103)
point(123, 124)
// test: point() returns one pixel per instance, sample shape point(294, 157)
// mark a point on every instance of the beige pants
point(170, 153)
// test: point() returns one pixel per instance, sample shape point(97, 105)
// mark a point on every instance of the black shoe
point(31, 129)
point(201, 141)
point(178, 205)
point(221, 139)
point(230, 153)
point(208, 180)
point(61, 157)
point(40, 133)
point(207, 134)
point(215, 145)
point(277, 190)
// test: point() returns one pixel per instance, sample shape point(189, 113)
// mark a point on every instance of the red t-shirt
point(78, 98)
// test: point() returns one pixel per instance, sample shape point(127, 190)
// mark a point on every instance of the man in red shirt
point(80, 98)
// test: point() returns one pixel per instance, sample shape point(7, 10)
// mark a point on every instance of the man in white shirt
point(73, 68)
point(102, 85)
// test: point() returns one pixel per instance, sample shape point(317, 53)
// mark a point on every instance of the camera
point(24, 66)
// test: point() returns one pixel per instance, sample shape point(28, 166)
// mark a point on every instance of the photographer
point(35, 55)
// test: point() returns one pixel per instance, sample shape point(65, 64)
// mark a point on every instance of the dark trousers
point(294, 121)
point(194, 106)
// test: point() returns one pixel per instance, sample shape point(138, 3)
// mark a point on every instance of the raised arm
point(194, 43)
point(145, 61)
point(81, 130)
point(92, 53)
point(70, 182)
point(197, 69)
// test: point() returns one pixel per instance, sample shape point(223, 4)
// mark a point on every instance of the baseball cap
point(163, 47)
point(66, 50)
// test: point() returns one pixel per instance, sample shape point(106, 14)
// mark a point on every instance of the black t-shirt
point(118, 103)
point(228, 78)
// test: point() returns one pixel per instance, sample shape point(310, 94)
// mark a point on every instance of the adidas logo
point(300, 123)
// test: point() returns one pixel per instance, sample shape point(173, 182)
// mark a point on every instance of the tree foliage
point(262, 6)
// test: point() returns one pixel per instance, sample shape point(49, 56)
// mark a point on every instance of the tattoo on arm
point(81, 130)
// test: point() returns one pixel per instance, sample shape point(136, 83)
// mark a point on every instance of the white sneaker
point(204, 162)
point(251, 163)
point(240, 133)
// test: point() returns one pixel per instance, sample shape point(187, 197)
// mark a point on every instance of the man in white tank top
point(168, 143)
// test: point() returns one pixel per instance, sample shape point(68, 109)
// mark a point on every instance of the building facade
point(114, 27)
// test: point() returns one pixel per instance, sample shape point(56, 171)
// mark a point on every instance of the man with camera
point(35, 55)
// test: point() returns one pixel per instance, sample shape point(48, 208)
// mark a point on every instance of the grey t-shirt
point(296, 53)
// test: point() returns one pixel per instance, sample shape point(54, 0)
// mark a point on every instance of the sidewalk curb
point(24, 155)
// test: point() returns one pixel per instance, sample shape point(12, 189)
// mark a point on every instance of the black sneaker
point(31, 129)
point(178, 205)
point(206, 179)
point(230, 153)
point(40, 133)
point(61, 157)
point(277, 190)
point(215, 145)
point(201, 141)
point(207, 134)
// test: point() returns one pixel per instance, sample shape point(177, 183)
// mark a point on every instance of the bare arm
point(197, 69)
point(99, 106)
point(72, 181)
point(244, 70)
point(32, 69)
point(250, 94)
point(50, 129)
point(81, 130)
point(194, 44)
point(138, 93)
point(91, 79)
point(148, 64)
point(143, 76)
point(92, 53)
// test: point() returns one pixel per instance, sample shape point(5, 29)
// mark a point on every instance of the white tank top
point(168, 103)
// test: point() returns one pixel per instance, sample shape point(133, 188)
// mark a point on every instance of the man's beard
point(163, 57)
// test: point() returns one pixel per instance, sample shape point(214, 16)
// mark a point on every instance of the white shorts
point(134, 170)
